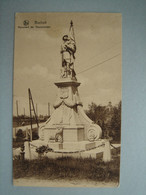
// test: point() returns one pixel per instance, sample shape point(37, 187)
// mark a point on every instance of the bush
point(43, 149)
point(20, 135)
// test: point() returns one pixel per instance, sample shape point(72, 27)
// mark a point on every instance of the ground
point(67, 171)
point(62, 183)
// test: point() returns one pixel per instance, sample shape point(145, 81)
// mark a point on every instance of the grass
point(68, 168)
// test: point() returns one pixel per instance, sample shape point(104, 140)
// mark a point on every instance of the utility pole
point(32, 108)
point(36, 110)
point(48, 109)
point(17, 112)
point(17, 108)
point(24, 111)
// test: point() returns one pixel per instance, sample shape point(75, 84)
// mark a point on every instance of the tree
point(97, 114)
point(116, 122)
point(108, 119)
point(91, 111)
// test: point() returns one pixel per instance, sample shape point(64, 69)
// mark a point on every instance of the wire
point(104, 51)
point(98, 64)
point(89, 67)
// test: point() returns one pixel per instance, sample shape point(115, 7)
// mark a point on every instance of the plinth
point(69, 127)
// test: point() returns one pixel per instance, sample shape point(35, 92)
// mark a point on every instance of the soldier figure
point(68, 49)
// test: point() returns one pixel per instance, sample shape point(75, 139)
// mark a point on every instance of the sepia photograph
point(67, 99)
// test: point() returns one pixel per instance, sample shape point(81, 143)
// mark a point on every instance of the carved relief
point(64, 92)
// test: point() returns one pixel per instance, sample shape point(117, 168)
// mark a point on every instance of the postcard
point(67, 99)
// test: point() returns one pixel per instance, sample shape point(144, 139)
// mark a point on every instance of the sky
point(37, 58)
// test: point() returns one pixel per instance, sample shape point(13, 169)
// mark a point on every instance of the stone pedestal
point(73, 134)
point(68, 124)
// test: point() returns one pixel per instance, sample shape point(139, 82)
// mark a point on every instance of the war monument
point(68, 130)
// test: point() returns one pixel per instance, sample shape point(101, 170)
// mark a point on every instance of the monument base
point(84, 149)
point(69, 147)
point(59, 151)
point(69, 134)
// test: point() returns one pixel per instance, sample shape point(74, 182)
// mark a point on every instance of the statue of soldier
point(68, 49)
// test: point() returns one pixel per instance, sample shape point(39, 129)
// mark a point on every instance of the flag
point(71, 32)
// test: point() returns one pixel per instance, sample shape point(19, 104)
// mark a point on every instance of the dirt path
point(61, 183)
